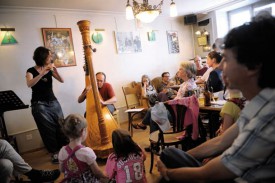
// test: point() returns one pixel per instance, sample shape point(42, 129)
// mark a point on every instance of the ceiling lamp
point(145, 12)
point(173, 9)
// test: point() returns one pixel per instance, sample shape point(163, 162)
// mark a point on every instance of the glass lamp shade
point(8, 39)
point(173, 10)
point(129, 13)
point(147, 16)
point(198, 33)
point(97, 37)
point(205, 33)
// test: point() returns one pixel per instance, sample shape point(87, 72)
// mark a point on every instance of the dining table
point(212, 113)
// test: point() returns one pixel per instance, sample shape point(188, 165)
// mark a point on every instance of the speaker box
point(190, 19)
point(203, 23)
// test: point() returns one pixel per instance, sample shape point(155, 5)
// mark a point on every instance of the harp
point(101, 122)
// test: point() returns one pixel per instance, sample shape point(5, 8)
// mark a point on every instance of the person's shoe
point(55, 159)
point(139, 126)
point(43, 175)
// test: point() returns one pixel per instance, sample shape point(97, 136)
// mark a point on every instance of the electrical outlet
point(29, 137)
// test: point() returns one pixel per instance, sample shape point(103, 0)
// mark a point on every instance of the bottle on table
point(207, 96)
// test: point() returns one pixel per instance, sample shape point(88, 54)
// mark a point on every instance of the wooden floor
point(41, 159)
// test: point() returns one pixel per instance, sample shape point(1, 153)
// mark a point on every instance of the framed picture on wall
point(173, 42)
point(202, 40)
point(152, 36)
point(60, 42)
point(128, 42)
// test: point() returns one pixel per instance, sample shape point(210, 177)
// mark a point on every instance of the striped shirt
point(252, 154)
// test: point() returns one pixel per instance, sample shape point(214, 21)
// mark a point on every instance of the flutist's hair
point(40, 55)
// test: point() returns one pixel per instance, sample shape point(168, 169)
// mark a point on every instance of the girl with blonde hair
point(77, 161)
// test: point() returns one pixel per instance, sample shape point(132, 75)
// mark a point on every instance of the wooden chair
point(156, 82)
point(134, 104)
point(172, 137)
point(142, 100)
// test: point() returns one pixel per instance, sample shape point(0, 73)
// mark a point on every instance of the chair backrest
point(137, 86)
point(156, 82)
point(144, 101)
point(177, 115)
point(131, 97)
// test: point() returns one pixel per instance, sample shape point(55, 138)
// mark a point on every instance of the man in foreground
point(247, 147)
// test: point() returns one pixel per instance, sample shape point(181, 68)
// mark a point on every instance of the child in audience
point(231, 109)
point(126, 164)
point(77, 161)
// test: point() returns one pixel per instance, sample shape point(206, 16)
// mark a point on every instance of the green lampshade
point(97, 37)
point(8, 39)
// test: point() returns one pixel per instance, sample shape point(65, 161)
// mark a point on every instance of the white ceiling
point(118, 6)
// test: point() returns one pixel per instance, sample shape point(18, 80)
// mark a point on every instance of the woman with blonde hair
point(77, 162)
point(187, 72)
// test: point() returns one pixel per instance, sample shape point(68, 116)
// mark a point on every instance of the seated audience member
point(164, 92)
point(210, 64)
point(148, 90)
point(231, 110)
point(247, 147)
point(214, 81)
point(106, 91)
point(76, 161)
point(11, 162)
point(177, 80)
point(200, 68)
point(214, 47)
point(187, 72)
point(126, 163)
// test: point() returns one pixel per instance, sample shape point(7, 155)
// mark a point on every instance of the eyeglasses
point(166, 76)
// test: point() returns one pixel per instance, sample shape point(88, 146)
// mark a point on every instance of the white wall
point(121, 69)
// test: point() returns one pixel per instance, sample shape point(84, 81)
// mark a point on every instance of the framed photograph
point(60, 42)
point(173, 42)
point(128, 42)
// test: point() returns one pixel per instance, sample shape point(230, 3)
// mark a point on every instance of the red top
point(106, 91)
point(201, 71)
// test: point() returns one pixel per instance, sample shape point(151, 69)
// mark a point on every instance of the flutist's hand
point(46, 69)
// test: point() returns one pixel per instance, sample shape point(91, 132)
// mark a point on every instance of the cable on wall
point(55, 21)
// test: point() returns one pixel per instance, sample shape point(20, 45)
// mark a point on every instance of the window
point(269, 7)
point(240, 16)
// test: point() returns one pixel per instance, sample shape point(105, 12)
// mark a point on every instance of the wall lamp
point(8, 38)
point(202, 32)
point(97, 36)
